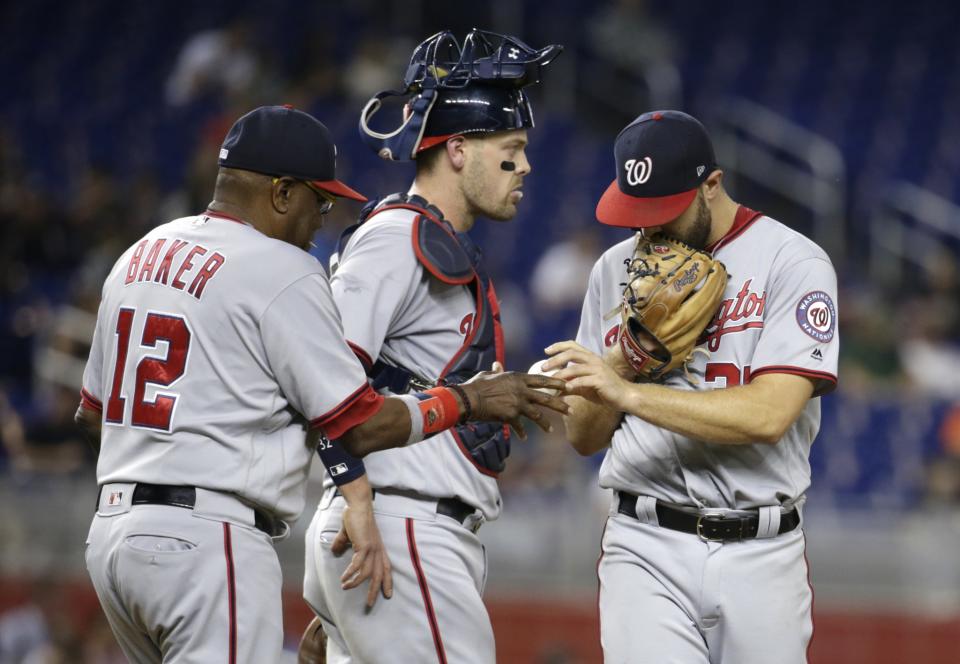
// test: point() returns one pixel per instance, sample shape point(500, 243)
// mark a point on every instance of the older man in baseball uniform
point(703, 552)
point(418, 309)
point(217, 365)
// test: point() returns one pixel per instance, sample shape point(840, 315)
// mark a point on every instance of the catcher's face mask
point(454, 90)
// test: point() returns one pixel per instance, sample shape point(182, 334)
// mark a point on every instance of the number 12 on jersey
point(163, 370)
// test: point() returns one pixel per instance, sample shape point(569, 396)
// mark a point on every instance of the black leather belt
point(455, 509)
point(186, 497)
point(452, 507)
point(709, 528)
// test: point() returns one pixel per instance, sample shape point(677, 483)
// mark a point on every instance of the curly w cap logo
point(638, 170)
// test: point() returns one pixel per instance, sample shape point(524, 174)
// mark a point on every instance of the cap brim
point(619, 209)
point(337, 188)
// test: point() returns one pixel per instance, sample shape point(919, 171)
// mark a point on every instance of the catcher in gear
point(418, 308)
point(703, 553)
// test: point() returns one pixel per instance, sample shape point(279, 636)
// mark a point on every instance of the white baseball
point(537, 368)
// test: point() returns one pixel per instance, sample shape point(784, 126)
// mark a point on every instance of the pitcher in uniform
point(218, 365)
point(418, 310)
point(703, 552)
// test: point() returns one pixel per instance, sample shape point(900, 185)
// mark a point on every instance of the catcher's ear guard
point(640, 346)
point(439, 65)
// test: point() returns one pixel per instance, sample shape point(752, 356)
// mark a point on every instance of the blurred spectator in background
point(369, 68)
point(869, 355)
point(930, 328)
point(557, 285)
point(41, 630)
point(219, 61)
point(943, 473)
point(48, 443)
point(561, 275)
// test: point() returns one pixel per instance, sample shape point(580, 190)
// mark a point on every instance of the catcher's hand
point(672, 293)
point(498, 396)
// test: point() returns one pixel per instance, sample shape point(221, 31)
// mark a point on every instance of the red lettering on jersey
point(612, 336)
point(187, 264)
point(731, 373)
point(147, 270)
point(135, 262)
point(205, 274)
point(163, 273)
point(466, 324)
point(747, 304)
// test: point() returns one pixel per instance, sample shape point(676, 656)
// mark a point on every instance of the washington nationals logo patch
point(817, 316)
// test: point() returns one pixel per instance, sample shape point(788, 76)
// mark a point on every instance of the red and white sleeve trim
point(90, 402)
point(362, 355)
point(357, 408)
point(825, 382)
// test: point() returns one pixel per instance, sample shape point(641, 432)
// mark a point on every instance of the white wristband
point(416, 418)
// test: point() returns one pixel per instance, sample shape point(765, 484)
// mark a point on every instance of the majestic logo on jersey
point(638, 170)
point(816, 354)
point(747, 306)
point(817, 316)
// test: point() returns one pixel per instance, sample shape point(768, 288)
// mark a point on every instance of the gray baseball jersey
point(675, 596)
point(215, 348)
point(394, 310)
point(215, 351)
point(777, 316)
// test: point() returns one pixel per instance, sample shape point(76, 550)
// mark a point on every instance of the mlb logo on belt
point(115, 498)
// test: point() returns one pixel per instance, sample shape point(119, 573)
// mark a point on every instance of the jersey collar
point(742, 220)
point(221, 215)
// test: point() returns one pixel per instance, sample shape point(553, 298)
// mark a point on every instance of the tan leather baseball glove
point(672, 293)
point(313, 644)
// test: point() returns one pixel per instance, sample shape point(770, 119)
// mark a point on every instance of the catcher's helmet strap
point(402, 143)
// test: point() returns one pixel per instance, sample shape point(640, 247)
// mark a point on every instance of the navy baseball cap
point(662, 157)
point(280, 140)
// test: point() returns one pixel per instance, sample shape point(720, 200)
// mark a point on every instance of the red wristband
point(439, 410)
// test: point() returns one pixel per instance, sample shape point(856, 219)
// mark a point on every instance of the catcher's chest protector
point(454, 259)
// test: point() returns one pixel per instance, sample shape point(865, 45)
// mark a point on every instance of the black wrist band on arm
point(342, 467)
point(467, 409)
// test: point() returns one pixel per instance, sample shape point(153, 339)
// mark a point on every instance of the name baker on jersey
point(747, 304)
point(147, 269)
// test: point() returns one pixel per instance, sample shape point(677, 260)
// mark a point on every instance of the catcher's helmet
point(453, 90)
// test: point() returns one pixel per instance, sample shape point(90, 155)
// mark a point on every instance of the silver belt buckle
point(700, 534)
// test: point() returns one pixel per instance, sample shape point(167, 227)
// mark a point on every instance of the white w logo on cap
point(638, 170)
